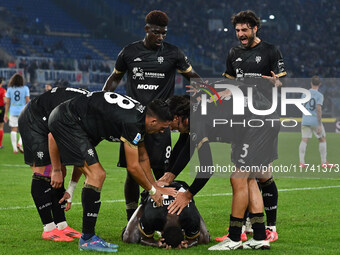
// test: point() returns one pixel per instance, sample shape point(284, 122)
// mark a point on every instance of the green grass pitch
point(308, 209)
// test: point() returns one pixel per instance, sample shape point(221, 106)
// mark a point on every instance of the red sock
point(1, 136)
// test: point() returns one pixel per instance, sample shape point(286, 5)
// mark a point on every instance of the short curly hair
point(157, 18)
point(246, 17)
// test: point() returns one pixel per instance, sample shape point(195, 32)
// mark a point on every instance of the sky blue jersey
point(316, 98)
point(18, 99)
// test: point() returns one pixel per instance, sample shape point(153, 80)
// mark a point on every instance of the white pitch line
point(206, 195)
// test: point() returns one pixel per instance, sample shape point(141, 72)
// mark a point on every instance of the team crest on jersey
point(258, 59)
point(137, 138)
point(160, 59)
point(138, 73)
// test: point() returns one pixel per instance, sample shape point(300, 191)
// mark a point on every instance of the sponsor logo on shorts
point(90, 152)
point(40, 154)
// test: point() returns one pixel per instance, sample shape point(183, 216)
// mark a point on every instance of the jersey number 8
point(122, 101)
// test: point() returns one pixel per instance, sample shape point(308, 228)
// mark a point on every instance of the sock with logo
point(235, 228)
point(270, 197)
point(41, 192)
point(257, 222)
point(58, 209)
point(90, 199)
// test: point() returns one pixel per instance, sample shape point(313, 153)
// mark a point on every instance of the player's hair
point(160, 110)
point(316, 80)
point(180, 106)
point(1, 79)
point(173, 235)
point(157, 18)
point(16, 81)
point(246, 17)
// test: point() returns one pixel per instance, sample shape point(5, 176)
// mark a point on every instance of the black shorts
point(34, 134)
point(158, 147)
point(257, 146)
point(74, 145)
point(2, 114)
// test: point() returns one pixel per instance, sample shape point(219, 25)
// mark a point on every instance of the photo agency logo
point(245, 104)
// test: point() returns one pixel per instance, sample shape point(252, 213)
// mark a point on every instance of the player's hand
point(171, 191)
point(166, 179)
point(188, 243)
point(5, 118)
point(66, 197)
point(57, 178)
point(181, 201)
point(149, 241)
point(195, 87)
point(274, 79)
point(157, 198)
point(222, 94)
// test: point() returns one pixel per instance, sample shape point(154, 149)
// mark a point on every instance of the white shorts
point(307, 131)
point(13, 121)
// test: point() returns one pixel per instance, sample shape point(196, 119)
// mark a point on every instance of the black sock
point(235, 228)
point(41, 192)
point(246, 215)
point(58, 209)
point(129, 213)
point(257, 222)
point(131, 192)
point(270, 197)
point(90, 199)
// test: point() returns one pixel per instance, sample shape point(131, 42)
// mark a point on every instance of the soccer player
point(150, 218)
point(33, 124)
point(313, 124)
point(2, 111)
point(79, 124)
point(248, 62)
point(151, 66)
point(17, 96)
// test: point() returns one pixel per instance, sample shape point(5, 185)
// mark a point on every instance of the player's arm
point(57, 178)
point(277, 68)
point(68, 195)
point(8, 102)
point(112, 82)
point(136, 170)
point(180, 157)
point(118, 72)
point(183, 198)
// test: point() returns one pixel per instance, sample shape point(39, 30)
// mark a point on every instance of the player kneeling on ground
point(149, 218)
point(79, 124)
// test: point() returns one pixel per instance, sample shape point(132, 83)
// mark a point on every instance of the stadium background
point(77, 41)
